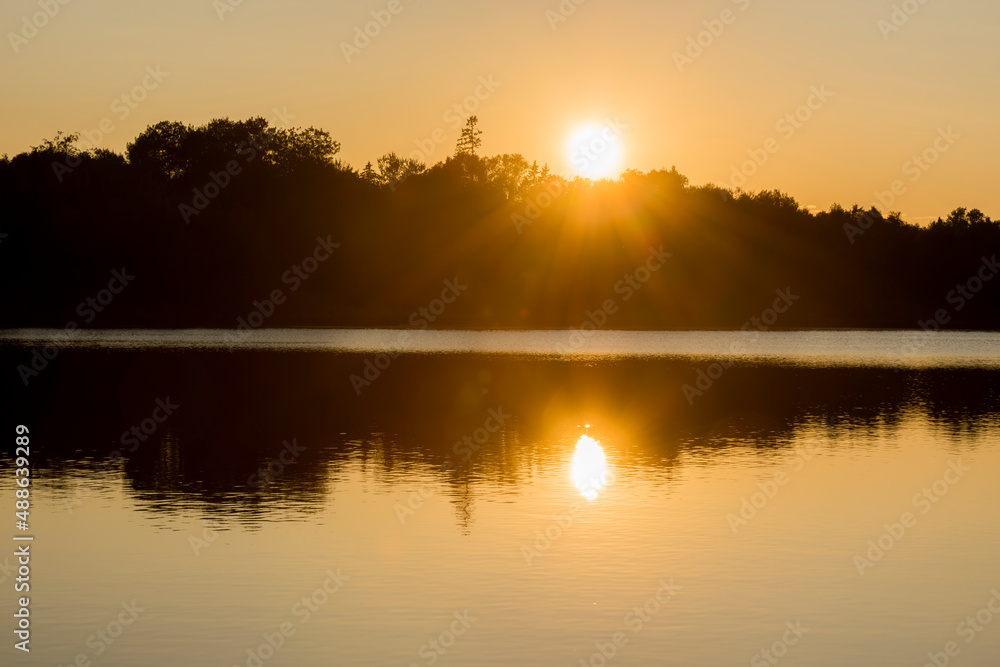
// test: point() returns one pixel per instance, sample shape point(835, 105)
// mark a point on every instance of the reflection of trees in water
point(237, 409)
point(464, 507)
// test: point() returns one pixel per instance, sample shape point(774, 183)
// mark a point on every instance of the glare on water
point(590, 467)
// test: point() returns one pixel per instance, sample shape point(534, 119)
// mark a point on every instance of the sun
point(595, 151)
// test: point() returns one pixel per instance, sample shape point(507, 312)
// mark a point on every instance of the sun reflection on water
point(590, 467)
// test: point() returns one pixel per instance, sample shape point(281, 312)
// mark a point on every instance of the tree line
point(209, 219)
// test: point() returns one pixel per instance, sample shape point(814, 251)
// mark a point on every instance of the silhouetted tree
point(510, 173)
point(370, 175)
point(469, 141)
point(159, 149)
point(393, 169)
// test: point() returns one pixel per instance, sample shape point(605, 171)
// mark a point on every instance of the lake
point(380, 497)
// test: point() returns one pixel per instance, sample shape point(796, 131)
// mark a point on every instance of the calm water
point(972, 349)
point(509, 498)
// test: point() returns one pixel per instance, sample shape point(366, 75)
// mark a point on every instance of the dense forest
point(240, 223)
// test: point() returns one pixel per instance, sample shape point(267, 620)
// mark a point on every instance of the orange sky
point(884, 86)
